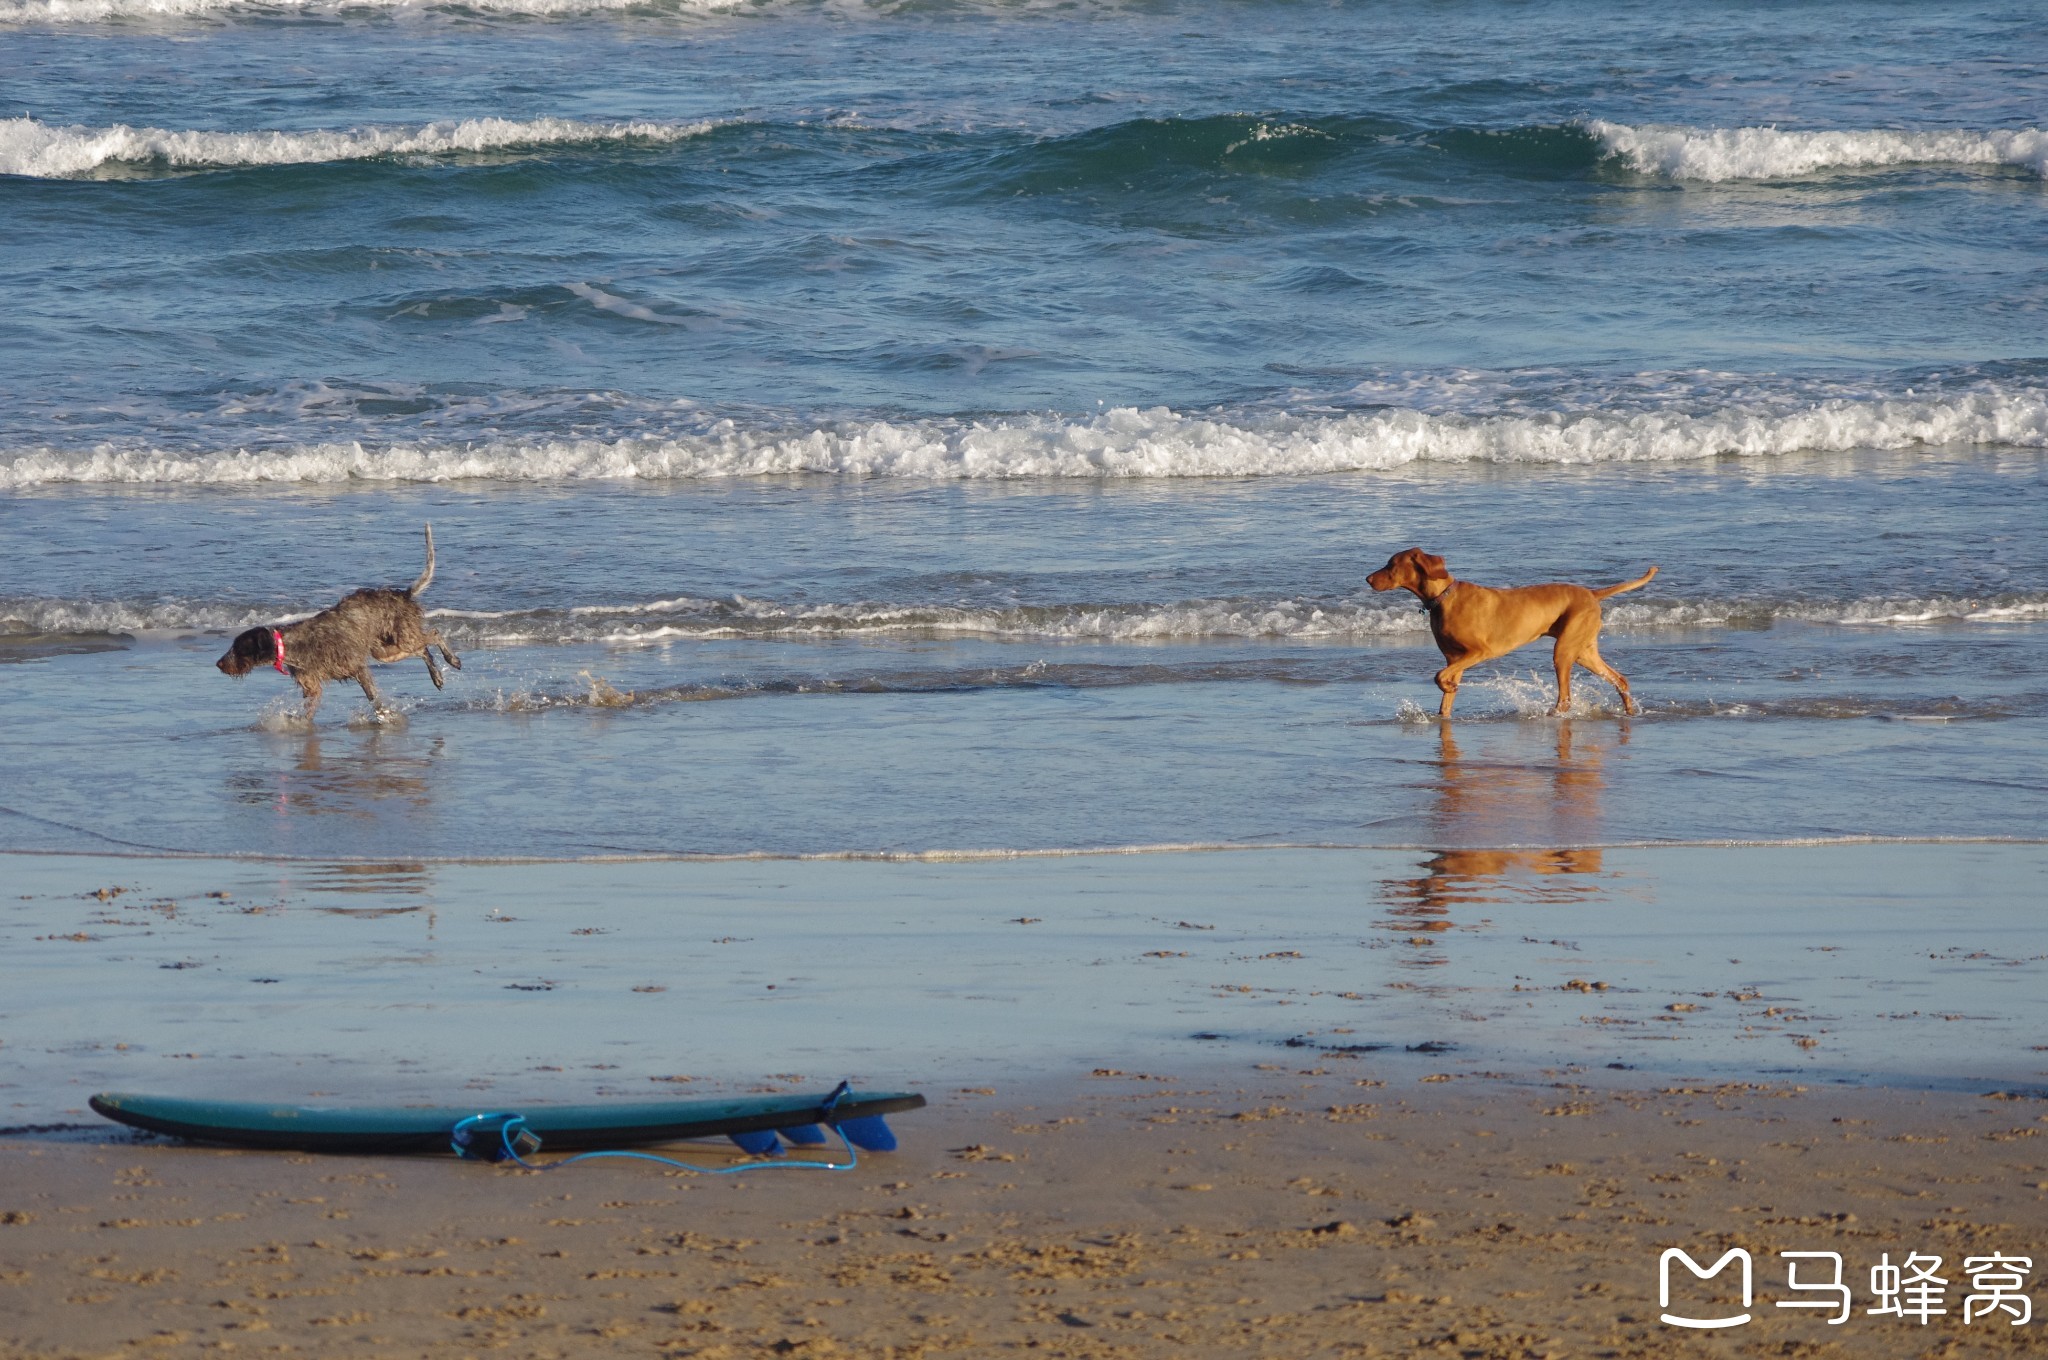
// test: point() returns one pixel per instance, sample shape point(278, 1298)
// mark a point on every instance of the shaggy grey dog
point(340, 643)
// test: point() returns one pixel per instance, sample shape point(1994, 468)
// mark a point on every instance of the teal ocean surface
point(890, 428)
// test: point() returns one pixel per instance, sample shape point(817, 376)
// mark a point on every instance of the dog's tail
point(412, 591)
point(1599, 594)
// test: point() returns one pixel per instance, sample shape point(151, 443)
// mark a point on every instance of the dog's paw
point(281, 716)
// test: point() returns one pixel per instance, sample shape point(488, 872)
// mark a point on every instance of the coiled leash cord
point(471, 1141)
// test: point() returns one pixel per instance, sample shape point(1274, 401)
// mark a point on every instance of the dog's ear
point(1433, 568)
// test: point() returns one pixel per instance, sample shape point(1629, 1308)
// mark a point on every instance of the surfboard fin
point(869, 1133)
point(762, 1143)
point(804, 1135)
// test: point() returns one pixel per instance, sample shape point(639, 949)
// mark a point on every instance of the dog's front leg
point(1447, 681)
point(362, 677)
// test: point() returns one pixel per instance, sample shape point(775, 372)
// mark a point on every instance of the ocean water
point(947, 427)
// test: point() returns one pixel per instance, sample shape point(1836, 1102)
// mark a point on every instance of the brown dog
point(1478, 623)
point(339, 643)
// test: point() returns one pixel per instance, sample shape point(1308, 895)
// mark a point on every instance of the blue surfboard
point(371, 1129)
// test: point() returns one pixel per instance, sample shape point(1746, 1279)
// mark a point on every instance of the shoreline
point(990, 855)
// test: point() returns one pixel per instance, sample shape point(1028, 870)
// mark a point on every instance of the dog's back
point(378, 621)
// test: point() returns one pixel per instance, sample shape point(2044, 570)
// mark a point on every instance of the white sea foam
point(124, 617)
point(1121, 443)
point(41, 150)
point(2013, 613)
point(1180, 620)
point(686, 619)
point(105, 11)
point(1776, 153)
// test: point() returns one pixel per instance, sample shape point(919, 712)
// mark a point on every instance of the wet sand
point(1282, 1213)
point(1276, 1103)
point(1910, 965)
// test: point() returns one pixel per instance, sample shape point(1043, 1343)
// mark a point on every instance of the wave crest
point(1158, 151)
point(106, 11)
point(1125, 443)
point(44, 151)
point(1284, 619)
point(1716, 154)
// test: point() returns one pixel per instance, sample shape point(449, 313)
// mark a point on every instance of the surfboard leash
point(471, 1140)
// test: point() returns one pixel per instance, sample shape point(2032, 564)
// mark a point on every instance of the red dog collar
point(277, 641)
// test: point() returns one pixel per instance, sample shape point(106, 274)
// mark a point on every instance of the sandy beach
point(1279, 1212)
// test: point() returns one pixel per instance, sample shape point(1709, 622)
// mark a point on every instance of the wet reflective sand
point(1888, 964)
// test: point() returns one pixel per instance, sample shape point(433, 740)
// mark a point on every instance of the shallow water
point(791, 667)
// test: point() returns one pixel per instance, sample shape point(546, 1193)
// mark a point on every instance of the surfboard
point(751, 1121)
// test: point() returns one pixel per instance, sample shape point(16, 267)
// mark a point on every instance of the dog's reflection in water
point(1502, 800)
point(365, 779)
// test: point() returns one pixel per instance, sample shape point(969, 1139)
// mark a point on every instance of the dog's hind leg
point(453, 661)
point(1590, 659)
point(433, 671)
point(1578, 644)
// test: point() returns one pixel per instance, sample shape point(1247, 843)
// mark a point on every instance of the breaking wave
point(118, 11)
point(1269, 619)
point(1714, 154)
point(45, 151)
point(105, 11)
point(1122, 443)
